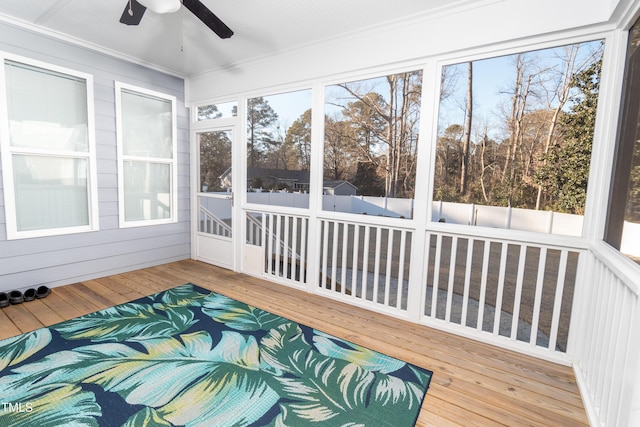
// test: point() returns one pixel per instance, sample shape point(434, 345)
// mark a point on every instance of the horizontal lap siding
point(58, 260)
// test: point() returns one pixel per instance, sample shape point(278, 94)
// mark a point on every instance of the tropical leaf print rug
point(191, 357)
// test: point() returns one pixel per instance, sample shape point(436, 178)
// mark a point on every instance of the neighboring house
point(338, 188)
point(270, 179)
point(277, 179)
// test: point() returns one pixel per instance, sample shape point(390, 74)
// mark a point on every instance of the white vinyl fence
point(547, 222)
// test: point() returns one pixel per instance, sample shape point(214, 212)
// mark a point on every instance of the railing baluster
point(518, 296)
point(537, 302)
point(436, 276)
point(303, 251)
point(557, 305)
point(425, 274)
point(334, 256)
point(294, 248)
point(611, 341)
point(376, 265)
point(278, 239)
point(355, 260)
point(286, 256)
point(601, 351)
point(400, 288)
point(483, 284)
point(467, 282)
point(452, 276)
point(387, 284)
point(343, 276)
point(325, 244)
point(501, 282)
point(365, 261)
point(269, 239)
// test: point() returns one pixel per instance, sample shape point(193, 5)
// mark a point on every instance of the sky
point(493, 78)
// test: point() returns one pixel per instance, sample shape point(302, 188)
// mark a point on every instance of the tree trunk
point(466, 140)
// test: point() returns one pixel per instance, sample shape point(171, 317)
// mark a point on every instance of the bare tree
point(391, 122)
point(466, 141)
point(516, 121)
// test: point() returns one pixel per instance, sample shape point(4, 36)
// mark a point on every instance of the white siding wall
point(65, 259)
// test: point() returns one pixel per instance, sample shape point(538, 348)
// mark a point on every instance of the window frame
point(244, 153)
point(509, 49)
point(625, 144)
point(7, 152)
point(418, 66)
point(122, 158)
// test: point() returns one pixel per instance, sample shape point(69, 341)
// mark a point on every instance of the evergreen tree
point(565, 172)
point(260, 117)
point(298, 140)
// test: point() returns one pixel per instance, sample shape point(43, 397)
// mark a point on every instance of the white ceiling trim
point(84, 43)
point(460, 6)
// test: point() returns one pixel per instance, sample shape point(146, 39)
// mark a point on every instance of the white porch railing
point(512, 294)
point(211, 224)
point(606, 338)
point(284, 241)
point(365, 263)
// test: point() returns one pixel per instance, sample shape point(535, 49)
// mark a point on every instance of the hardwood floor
point(474, 384)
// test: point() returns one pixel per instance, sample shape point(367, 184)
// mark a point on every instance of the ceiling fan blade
point(210, 20)
point(133, 12)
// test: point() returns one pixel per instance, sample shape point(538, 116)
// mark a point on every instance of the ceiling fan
point(134, 10)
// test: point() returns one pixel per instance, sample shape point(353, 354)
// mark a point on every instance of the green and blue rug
point(191, 357)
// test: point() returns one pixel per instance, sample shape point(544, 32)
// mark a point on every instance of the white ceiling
point(180, 44)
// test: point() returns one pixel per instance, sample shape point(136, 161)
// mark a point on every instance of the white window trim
point(6, 152)
point(172, 162)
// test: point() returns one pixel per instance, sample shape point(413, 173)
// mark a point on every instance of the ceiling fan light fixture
point(161, 6)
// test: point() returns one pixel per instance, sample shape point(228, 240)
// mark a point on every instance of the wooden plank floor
point(474, 384)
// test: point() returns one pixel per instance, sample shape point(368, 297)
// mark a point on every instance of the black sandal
point(29, 294)
point(42, 292)
point(4, 300)
point(16, 297)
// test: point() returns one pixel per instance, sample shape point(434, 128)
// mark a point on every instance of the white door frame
point(217, 250)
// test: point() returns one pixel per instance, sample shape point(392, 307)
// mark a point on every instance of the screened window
point(279, 149)
point(147, 154)
point(623, 225)
point(514, 139)
point(371, 145)
point(217, 111)
point(47, 151)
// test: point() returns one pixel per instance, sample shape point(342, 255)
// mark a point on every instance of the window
point(279, 149)
point(217, 111)
point(370, 145)
point(48, 158)
point(147, 169)
point(623, 225)
point(514, 139)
